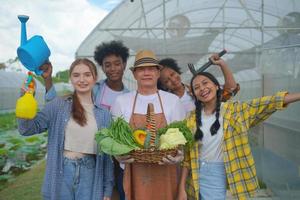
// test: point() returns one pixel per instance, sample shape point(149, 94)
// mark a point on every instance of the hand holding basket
point(151, 154)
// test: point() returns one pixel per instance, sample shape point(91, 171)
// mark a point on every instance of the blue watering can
point(34, 52)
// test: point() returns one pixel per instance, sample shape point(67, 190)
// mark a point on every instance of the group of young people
point(221, 154)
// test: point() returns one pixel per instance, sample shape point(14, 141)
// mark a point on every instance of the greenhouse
point(262, 39)
point(11, 82)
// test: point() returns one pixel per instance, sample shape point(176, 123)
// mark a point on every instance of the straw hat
point(145, 58)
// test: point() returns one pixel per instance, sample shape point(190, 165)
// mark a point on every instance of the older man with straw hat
point(149, 181)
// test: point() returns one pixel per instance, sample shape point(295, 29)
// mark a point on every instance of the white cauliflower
point(172, 138)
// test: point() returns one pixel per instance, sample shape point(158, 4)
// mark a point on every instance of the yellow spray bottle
point(26, 106)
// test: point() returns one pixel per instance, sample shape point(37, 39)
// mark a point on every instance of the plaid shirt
point(54, 118)
point(239, 163)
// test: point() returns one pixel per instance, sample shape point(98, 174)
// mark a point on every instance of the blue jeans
point(119, 173)
point(78, 178)
point(212, 181)
point(120, 184)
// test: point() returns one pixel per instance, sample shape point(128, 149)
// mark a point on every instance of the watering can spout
point(23, 19)
point(33, 52)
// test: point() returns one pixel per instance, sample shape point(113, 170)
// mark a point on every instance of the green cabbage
point(172, 138)
point(109, 146)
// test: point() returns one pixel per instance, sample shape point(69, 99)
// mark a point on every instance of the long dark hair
point(78, 112)
point(216, 125)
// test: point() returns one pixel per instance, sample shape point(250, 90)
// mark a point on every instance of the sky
point(63, 24)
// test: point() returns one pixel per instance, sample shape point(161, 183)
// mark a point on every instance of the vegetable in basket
point(182, 128)
point(111, 147)
point(140, 136)
point(117, 139)
point(120, 139)
point(171, 139)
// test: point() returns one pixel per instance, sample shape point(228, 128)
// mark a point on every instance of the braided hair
point(216, 125)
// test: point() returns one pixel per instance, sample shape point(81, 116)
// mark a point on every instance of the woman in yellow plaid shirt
point(222, 152)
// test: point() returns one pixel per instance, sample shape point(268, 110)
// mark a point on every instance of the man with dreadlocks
point(222, 152)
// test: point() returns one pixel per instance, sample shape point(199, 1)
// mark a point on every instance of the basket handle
point(151, 124)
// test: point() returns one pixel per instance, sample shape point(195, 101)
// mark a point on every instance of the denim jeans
point(212, 180)
point(119, 184)
point(78, 178)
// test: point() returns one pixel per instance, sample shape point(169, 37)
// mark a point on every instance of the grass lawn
point(26, 186)
point(8, 121)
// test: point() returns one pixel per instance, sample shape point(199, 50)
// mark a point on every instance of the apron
point(149, 181)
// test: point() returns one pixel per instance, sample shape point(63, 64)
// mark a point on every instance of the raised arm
point(258, 110)
point(230, 86)
point(47, 76)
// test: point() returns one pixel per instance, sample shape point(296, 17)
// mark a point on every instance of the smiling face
point(170, 79)
point(205, 89)
point(146, 76)
point(83, 78)
point(113, 67)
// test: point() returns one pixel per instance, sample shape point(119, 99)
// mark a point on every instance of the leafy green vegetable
point(109, 146)
point(182, 127)
point(172, 138)
point(118, 139)
point(121, 132)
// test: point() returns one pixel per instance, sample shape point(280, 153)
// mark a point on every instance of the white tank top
point(211, 148)
point(82, 138)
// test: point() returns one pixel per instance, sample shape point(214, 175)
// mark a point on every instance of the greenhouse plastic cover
point(10, 87)
point(10, 79)
point(190, 31)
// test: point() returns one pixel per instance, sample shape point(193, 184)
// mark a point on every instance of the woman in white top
point(221, 158)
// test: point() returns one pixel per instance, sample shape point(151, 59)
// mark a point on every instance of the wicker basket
point(151, 155)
